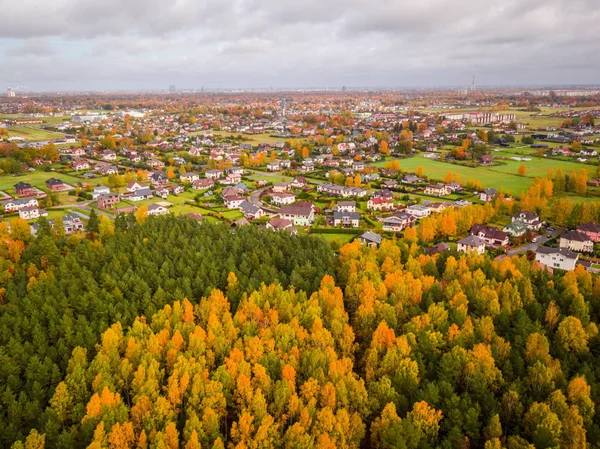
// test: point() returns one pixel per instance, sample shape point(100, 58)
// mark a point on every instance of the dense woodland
point(253, 339)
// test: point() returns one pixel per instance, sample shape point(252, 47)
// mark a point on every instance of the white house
point(157, 209)
point(100, 190)
point(346, 206)
point(561, 258)
point(346, 219)
point(576, 241)
point(418, 210)
point(282, 199)
point(300, 215)
point(471, 243)
point(31, 213)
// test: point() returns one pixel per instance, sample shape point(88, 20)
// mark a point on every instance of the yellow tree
point(522, 169)
point(420, 172)
point(384, 148)
point(106, 227)
point(170, 173)
point(141, 214)
point(357, 182)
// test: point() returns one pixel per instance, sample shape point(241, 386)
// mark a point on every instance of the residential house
point(56, 185)
point(274, 166)
point(418, 210)
point(435, 249)
point(380, 203)
point(299, 214)
point(106, 169)
point(345, 206)
point(561, 258)
point(99, 190)
point(346, 219)
point(437, 190)
point(281, 224)
point(281, 187)
point(31, 213)
point(370, 239)
point(411, 179)
point(235, 171)
point(515, 228)
point(233, 201)
point(24, 189)
point(299, 183)
point(454, 186)
point(16, 205)
point(491, 235)
point(488, 195)
point(214, 174)
point(202, 184)
point(133, 186)
point(176, 189)
point(472, 243)
point(232, 179)
point(341, 191)
point(282, 199)
point(157, 209)
point(592, 230)
point(108, 201)
point(72, 223)
point(389, 184)
point(486, 159)
point(108, 156)
point(189, 177)
point(140, 195)
point(80, 164)
point(159, 178)
point(307, 167)
point(251, 211)
point(576, 241)
point(530, 219)
point(398, 222)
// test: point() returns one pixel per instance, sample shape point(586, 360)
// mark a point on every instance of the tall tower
point(10, 92)
point(283, 105)
point(473, 83)
point(172, 88)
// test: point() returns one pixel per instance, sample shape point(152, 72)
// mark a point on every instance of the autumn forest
point(176, 334)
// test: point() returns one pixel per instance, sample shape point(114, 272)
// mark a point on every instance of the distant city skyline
point(80, 45)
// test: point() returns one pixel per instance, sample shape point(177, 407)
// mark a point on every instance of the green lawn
point(253, 139)
point(33, 133)
point(340, 238)
point(504, 175)
point(37, 178)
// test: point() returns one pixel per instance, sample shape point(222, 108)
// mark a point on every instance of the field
point(32, 133)
point(37, 178)
point(493, 176)
point(253, 139)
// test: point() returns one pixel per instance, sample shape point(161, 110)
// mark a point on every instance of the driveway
point(255, 199)
point(534, 246)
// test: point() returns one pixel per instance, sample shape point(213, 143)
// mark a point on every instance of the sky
point(113, 45)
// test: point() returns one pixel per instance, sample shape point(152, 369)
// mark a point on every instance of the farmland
point(504, 175)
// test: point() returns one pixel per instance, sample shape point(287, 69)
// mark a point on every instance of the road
point(534, 246)
point(255, 199)
point(84, 206)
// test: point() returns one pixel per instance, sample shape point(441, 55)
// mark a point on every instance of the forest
point(178, 334)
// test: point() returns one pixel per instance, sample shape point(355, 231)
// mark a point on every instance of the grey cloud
point(150, 43)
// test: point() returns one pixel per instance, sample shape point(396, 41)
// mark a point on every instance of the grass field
point(494, 176)
point(253, 139)
point(37, 178)
point(32, 133)
point(340, 238)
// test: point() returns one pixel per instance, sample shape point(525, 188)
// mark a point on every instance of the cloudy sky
point(74, 45)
